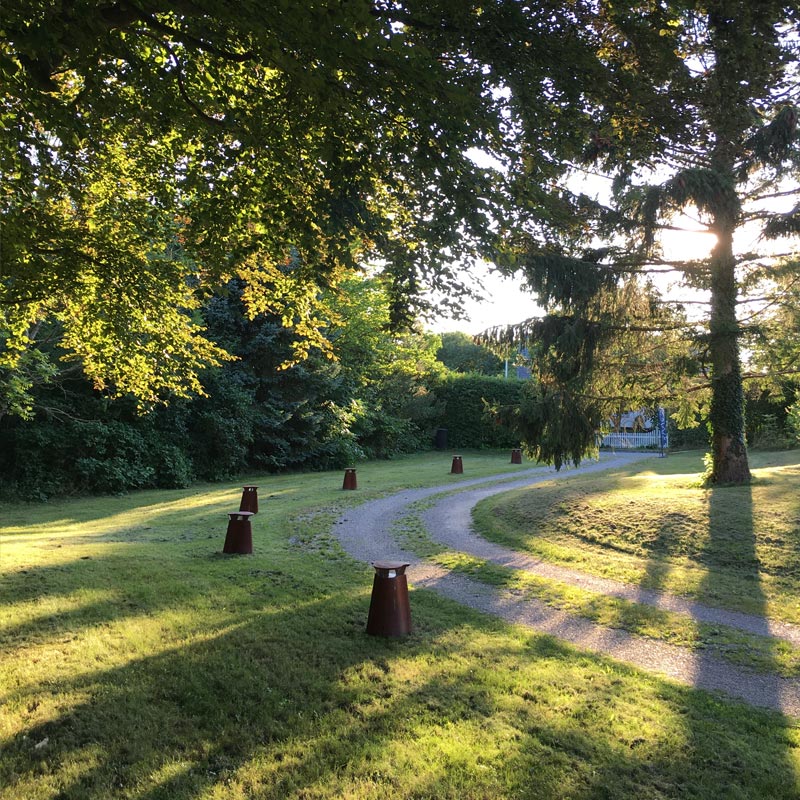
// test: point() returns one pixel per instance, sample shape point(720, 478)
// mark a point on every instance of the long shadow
point(203, 717)
point(119, 586)
point(731, 545)
point(206, 716)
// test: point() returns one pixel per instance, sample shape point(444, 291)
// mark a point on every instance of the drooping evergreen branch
point(783, 224)
point(771, 144)
point(533, 329)
point(777, 302)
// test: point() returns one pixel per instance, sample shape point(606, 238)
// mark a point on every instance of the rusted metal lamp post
point(239, 537)
point(389, 608)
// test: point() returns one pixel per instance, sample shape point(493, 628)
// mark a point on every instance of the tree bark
point(729, 451)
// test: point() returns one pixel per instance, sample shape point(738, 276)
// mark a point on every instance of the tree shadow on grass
point(458, 709)
point(730, 547)
point(280, 694)
point(71, 597)
point(731, 544)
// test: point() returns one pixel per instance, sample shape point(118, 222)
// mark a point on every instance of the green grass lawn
point(564, 524)
point(733, 547)
point(137, 662)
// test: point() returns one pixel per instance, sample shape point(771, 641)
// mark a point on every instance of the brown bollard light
point(249, 499)
point(389, 609)
point(458, 466)
point(516, 456)
point(350, 481)
point(239, 538)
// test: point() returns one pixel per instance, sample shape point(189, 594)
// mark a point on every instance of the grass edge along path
point(767, 654)
point(683, 511)
point(697, 668)
point(745, 639)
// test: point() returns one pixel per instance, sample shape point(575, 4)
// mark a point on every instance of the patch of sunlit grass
point(737, 547)
point(760, 653)
point(138, 663)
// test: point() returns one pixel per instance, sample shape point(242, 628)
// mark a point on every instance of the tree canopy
point(152, 150)
point(696, 116)
point(460, 353)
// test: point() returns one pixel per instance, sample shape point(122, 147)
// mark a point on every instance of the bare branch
point(187, 38)
point(772, 195)
point(684, 302)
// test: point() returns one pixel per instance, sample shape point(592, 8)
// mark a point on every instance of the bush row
point(101, 447)
point(468, 401)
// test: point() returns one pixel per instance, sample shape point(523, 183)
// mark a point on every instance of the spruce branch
point(774, 195)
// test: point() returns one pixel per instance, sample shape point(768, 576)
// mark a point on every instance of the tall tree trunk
point(729, 452)
point(727, 102)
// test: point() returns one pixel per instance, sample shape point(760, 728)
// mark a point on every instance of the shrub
point(772, 434)
point(793, 420)
point(696, 438)
point(468, 403)
point(173, 468)
point(76, 456)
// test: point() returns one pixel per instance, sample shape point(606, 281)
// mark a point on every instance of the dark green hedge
point(466, 417)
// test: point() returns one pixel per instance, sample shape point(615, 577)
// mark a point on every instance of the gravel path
point(365, 532)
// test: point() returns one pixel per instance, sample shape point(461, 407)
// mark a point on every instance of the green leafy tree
point(460, 353)
point(154, 150)
point(389, 375)
point(691, 109)
point(367, 392)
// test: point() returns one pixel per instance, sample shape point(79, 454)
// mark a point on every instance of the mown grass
point(733, 547)
point(138, 662)
point(756, 652)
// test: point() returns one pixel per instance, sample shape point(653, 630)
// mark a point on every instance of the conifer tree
point(692, 110)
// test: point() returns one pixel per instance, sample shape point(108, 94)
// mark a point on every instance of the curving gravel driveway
point(365, 533)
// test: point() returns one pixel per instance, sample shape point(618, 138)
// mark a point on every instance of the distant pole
point(662, 431)
point(506, 373)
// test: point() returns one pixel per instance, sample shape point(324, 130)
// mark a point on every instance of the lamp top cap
point(390, 564)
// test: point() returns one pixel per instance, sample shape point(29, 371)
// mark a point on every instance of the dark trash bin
point(389, 608)
point(516, 456)
point(440, 439)
point(458, 466)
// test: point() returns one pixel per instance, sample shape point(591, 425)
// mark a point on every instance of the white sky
point(506, 302)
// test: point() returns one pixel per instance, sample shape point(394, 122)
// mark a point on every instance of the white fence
point(627, 441)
